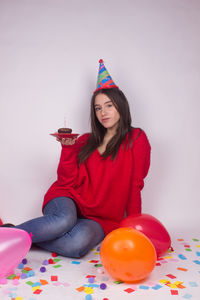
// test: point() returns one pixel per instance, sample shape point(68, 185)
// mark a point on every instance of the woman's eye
point(97, 108)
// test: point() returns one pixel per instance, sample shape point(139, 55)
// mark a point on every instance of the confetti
point(143, 287)
point(174, 292)
point(171, 276)
point(182, 269)
point(196, 262)
point(43, 281)
point(157, 287)
point(193, 284)
point(37, 292)
point(181, 256)
point(88, 290)
point(129, 290)
point(80, 289)
point(103, 286)
point(57, 266)
point(74, 262)
point(54, 278)
point(187, 296)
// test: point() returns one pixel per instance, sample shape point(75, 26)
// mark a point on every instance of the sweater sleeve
point(68, 165)
point(141, 161)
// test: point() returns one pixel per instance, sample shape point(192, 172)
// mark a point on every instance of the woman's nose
point(103, 111)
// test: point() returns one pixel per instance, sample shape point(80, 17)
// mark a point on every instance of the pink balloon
point(14, 245)
point(152, 228)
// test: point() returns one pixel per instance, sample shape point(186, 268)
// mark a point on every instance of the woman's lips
point(105, 120)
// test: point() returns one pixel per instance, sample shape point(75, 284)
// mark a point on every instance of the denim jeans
point(60, 230)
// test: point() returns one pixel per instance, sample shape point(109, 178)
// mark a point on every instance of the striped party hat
point(104, 80)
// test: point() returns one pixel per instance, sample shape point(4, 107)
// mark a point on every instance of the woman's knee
point(62, 213)
point(85, 238)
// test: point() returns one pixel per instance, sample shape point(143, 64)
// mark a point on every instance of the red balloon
point(152, 228)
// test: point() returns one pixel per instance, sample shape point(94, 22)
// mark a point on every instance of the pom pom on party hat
point(104, 80)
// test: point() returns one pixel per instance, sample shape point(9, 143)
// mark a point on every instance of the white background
point(49, 52)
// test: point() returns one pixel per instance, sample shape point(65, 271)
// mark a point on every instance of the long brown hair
point(98, 131)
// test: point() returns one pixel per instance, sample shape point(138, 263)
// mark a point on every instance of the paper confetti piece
point(37, 284)
point(196, 262)
point(93, 261)
point(198, 253)
point(118, 282)
point(195, 240)
point(172, 285)
point(98, 265)
point(143, 287)
point(129, 290)
point(174, 292)
point(35, 288)
point(164, 281)
point(80, 289)
point(57, 283)
point(88, 290)
point(181, 256)
point(92, 285)
point(182, 269)
point(66, 284)
point(180, 286)
point(74, 262)
point(56, 260)
point(11, 276)
point(157, 287)
point(178, 282)
point(193, 284)
point(54, 278)
point(43, 281)
point(37, 292)
point(167, 257)
point(57, 266)
point(171, 276)
point(187, 296)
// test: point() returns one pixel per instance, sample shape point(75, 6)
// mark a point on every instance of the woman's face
point(106, 112)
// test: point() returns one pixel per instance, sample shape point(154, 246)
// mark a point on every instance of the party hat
point(104, 80)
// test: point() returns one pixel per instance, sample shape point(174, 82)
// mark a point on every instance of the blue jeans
point(60, 230)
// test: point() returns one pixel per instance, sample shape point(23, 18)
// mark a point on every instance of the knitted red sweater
point(103, 189)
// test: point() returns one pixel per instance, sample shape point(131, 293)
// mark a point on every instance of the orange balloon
point(127, 254)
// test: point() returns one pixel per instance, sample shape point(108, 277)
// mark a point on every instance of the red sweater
point(103, 189)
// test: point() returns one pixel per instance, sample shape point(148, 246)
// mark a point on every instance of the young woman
point(99, 178)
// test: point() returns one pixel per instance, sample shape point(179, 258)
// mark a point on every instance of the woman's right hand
point(66, 141)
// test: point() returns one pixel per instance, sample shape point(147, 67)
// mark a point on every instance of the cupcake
point(65, 130)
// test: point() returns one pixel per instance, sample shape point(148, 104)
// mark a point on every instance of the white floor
point(73, 274)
